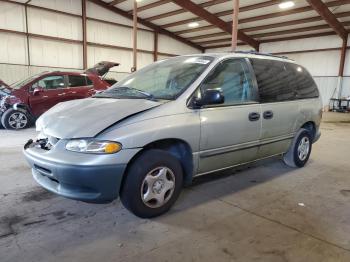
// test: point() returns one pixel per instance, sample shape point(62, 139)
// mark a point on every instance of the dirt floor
point(265, 212)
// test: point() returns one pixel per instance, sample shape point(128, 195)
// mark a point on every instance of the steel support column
point(155, 52)
point(341, 67)
point(27, 31)
point(83, 12)
point(134, 30)
point(234, 25)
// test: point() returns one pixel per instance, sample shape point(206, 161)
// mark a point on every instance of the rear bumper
point(95, 183)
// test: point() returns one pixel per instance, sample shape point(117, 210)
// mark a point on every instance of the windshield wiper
point(116, 89)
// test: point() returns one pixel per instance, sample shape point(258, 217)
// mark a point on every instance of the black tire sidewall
point(131, 189)
point(297, 161)
point(6, 115)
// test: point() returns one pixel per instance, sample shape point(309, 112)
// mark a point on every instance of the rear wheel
point(15, 119)
point(152, 184)
point(300, 149)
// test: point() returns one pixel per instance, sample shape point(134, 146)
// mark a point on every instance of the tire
point(15, 119)
point(300, 149)
point(149, 178)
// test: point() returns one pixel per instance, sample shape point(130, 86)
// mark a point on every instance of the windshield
point(24, 81)
point(165, 79)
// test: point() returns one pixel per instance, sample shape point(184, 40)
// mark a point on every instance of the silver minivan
point(147, 136)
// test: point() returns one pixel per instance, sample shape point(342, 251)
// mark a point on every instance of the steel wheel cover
point(158, 187)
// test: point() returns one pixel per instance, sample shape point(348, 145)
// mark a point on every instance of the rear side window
point(78, 80)
point(273, 81)
point(302, 81)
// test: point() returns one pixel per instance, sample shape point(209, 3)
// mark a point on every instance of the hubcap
point(158, 187)
point(303, 148)
point(18, 120)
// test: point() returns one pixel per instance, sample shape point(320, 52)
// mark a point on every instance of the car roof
point(247, 54)
point(66, 73)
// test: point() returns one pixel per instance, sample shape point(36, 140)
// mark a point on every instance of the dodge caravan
point(147, 136)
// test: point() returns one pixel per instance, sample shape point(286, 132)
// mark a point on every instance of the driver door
point(230, 131)
point(50, 90)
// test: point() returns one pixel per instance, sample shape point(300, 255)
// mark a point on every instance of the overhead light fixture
point(193, 24)
point(139, 1)
point(286, 4)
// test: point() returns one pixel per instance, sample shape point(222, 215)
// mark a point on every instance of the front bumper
point(85, 177)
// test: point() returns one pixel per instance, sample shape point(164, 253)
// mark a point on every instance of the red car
point(22, 102)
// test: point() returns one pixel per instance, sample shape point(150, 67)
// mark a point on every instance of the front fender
point(184, 126)
point(22, 107)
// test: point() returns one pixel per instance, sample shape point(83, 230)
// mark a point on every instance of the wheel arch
point(178, 148)
point(311, 127)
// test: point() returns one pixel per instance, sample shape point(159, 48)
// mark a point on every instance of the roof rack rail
point(253, 52)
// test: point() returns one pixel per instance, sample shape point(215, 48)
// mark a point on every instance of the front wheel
point(300, 149)
point(152, 184)
point(15, 119)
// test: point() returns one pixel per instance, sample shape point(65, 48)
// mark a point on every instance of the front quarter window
point(162, 80)
point(233, 78)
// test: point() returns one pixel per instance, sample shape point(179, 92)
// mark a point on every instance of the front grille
point(42, 170)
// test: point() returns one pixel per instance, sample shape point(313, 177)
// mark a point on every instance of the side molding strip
point(228, 149)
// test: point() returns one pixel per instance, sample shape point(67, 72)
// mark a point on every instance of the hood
point(101, 68)
point(88, 117)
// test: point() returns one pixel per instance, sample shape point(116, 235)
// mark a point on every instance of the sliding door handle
point(254, 116)
point(268, 114)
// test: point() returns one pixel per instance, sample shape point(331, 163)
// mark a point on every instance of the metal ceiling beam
point(146, 23)
point(263, 27)
point(260, 17)
point(212, 19)
point(329, 17)
point(274, 33)
point(279, 39)
point(180, 11)
point(116, 2)
point(151, 5)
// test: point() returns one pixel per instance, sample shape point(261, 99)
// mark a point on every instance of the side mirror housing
point(210, 97)
point(37, 91)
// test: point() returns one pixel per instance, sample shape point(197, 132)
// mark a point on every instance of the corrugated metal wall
point(48, 55)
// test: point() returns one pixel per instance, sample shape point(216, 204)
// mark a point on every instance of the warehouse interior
point(262, 211)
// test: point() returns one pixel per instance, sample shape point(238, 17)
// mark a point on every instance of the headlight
point(93, 146)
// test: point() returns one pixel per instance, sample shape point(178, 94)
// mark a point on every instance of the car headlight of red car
point(11, 100)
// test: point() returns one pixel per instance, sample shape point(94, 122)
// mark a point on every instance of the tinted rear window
point(273, 80)
point(76, 80)
point(302, 81)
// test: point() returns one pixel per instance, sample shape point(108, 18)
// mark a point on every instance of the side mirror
point(37, 91)
point(210, 97)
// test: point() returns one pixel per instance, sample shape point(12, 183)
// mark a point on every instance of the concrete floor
point(267, 212)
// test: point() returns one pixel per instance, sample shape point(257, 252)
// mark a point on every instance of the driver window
point(233, 78)
point(50, 82)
